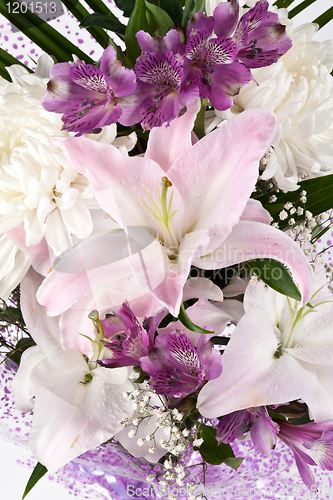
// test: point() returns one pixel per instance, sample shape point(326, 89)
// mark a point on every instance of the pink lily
point(199, 222)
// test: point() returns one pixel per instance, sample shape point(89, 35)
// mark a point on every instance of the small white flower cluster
point(329, 275)
point(177, 439)
point(289, 210)
point(140, 398)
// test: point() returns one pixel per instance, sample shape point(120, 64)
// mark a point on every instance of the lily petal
point(261, 379)
point(252, 240)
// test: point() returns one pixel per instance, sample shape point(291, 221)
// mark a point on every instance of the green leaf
point(137, 21)
point(234, 462)
point(21, 346)
point(157, 19)
point(126, 6)
point(104, 22)
point(319, 199)
point(212, 452)
point(296, 10)
point(199, 125)
point(191, 7)
point(275, 275)
point(42, 34)
point(79, 12)
point(324, 18)
point(172, 7)
point(146, 17)
point(38, 472)
point(185, 320)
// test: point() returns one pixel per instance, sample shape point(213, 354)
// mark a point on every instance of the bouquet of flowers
point(166, 311)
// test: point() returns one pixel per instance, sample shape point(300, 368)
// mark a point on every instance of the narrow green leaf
point(185, 320)
point(4, 73)
point(318, 232)
point(38, 472)
point(7, 60)
point(157, 19)
point(296, 10)
point(319, 199)
point(199, 124)
point(79, 12)
point(212, 452)
point(283, 4)
point(275, 275)
point(101, 8)
point(137, 21)
point(105, 22)
point(41, 33)
point(325, 18)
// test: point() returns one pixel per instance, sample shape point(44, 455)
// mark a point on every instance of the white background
point(13, 477)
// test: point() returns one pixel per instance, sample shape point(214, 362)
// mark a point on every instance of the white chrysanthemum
point(14, 265)
point(298, 89)
point(38, 187)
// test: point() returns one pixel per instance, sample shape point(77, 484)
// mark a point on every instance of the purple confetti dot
point(19, 57)
point(14, 46)
point(80, 40)
point(329, 242)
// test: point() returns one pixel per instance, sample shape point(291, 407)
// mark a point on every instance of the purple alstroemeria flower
point(210, 63)
point(91, 98)
point(176, 368)
point(158, 98)
point(263, 429)
point(127, 338)
point(220, 66)
point(311, 444)
point(261, 38)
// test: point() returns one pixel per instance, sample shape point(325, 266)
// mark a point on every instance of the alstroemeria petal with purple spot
point(261, 37)
point(221, 51)
point(61, 90)
point(165, 101)
point(93, 116)
point(90, 98)
point(88, 77)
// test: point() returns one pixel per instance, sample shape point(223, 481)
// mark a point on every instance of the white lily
point(77, 404)
point(280, 351)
